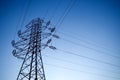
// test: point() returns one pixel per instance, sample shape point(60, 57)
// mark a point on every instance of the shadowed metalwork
point(37, 36)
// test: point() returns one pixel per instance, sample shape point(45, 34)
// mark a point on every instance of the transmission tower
point(36, 37)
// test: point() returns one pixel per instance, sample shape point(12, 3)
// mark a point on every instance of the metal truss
point(37, 36)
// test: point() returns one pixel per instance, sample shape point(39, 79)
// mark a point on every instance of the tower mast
point(36, 37)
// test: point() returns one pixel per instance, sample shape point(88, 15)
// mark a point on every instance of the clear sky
point(89, 44)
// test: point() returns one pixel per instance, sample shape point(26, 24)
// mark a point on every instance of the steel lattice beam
point(36, 37)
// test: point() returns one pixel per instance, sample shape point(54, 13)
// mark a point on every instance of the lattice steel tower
point(37, 36)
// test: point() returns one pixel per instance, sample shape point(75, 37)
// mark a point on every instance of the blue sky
point(90, 29)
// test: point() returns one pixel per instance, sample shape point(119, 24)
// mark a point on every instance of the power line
point(46, 13)
point(19, 19)
point(90, 73)
point(88, 66)
point(26, 12)
point(67, 10)
point(65, 13)
point(55, 10)
point(101, 52)
point(92, 59)
point(85, 40)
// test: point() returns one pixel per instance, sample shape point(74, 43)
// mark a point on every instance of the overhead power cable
point(83, 40)
point(26, 13)
point(91, 48)
point(79, 64)
point(46, 13)
point(80, 37)
point(19, 20)
point(85, 72)
point(89, 58)
point(65, 13)
point(67, 10)
point(55, 10)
